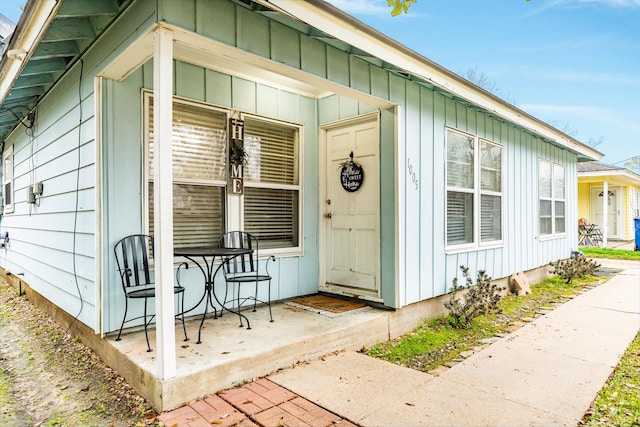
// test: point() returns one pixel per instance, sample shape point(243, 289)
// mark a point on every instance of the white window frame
point(553, 199)
point(292, 187)
point(234, 204)
point(7, 180)
point(477, 192)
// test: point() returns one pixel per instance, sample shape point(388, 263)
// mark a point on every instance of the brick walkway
point(260, 403)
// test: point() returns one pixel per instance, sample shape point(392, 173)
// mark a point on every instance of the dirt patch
point(49, 378)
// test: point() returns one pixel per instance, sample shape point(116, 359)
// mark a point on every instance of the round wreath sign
point(351, 175)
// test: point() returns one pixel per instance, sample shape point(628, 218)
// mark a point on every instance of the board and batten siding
point(418, 160)
point(425, 267)
point(53, 243)
point(124, 180)
point(412, 163)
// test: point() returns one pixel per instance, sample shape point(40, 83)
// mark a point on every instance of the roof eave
point(33, 23)
point(333, 21)
point(620, 174)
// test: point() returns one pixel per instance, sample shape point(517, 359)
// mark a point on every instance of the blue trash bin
point(637, 224)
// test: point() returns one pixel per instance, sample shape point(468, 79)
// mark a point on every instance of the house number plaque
point(351, 175)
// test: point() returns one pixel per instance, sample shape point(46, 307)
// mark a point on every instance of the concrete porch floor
point(230, 355)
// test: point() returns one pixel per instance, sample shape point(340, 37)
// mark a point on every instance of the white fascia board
point(131, 58)
point(333, 21)
point(622, 175)
point(29, 31)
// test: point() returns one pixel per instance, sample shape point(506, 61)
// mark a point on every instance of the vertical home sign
point(236, 156)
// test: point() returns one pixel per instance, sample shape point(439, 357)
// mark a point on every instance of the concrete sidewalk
point(547, 373)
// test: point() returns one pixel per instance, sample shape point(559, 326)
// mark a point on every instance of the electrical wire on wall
point(31, 132)
point(75, 218)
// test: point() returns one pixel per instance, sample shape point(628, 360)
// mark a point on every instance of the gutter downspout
point(33, 23)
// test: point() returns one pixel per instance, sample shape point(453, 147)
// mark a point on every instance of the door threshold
point(357, 294)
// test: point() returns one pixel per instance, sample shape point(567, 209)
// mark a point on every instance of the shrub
point(480, 298)
point(577, 265)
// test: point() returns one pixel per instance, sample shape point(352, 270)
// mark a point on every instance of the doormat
point(327, 305)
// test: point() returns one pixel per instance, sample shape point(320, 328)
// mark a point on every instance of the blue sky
point(572, 63)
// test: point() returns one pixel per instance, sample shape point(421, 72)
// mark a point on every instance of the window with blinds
point(474, 199)
point(199, 172)
point(270, 205)
point(551, 195)
point(271, 182)
point(490, 191)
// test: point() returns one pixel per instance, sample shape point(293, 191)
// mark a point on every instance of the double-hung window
point(198, 149)
point(271, 182)
point(269, 207)
point(7, 180)
point(474, 191)
point(551, 194)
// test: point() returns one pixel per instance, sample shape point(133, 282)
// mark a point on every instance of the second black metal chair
point(133, 254)
point(245, 269)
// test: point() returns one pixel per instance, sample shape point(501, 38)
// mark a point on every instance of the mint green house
point(114, 120)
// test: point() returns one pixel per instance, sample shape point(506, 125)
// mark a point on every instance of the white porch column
point(163, 202)
point(605, 212)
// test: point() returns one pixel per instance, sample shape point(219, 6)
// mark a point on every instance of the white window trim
point(293, 250)
point(234, 211)
point(7, 177)
point(553, 199)
point(477, 192)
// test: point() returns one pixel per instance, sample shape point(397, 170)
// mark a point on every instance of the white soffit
point(195, 49)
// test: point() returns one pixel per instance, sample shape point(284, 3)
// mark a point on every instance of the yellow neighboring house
point(612, 192)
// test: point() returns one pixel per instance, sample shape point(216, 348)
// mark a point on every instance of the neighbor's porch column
point(605, 212)
point(163, 201)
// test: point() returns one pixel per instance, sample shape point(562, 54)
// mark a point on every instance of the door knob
point(327, 215)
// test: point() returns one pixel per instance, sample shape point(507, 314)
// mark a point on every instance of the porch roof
point(596, 171)
point(52, 35)
point(49, 38)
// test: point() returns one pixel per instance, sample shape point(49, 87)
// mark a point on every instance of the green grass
point(618, 402)
point(595, 252)
point(435, 342)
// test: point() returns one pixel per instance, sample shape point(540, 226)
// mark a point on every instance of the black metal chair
point(132, 257)
point(245, 269)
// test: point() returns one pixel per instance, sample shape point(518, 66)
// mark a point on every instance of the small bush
point(577, 265)
point(480, 298)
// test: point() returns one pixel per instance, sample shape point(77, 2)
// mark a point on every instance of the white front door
point(351, 217)
point(613, 210)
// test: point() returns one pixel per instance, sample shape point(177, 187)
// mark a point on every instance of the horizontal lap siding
point(52, 245)
point(61, 154)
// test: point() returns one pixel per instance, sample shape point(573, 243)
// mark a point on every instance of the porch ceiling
point(61, 31)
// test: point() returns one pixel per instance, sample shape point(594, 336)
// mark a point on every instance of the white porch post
point(605, 212)
point(163, 202)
